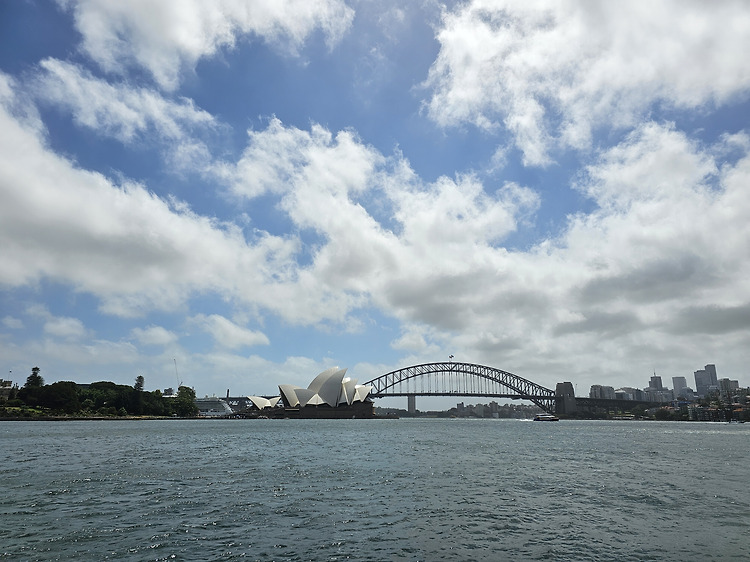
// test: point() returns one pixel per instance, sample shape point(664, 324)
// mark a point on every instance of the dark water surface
point(374, 490)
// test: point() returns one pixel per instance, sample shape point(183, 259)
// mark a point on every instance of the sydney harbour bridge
point(467, 379)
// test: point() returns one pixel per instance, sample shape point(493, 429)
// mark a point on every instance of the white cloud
point(21, 108)
point(227, 334)
point(81, 353)
point(551, 72)
point(664, 248)
point(126, 113)
point(64, 327)
point(12, 323)
point(664, 253)
point(171, 36)
point(418, 340)
point(383, 230)
point(132, 249)
point(279, 158)
point(154, 335)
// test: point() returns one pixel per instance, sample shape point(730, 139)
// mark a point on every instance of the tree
point(60, 396)
point(184, 404)
point(32, 390)
point(662, 414)
point(137, 405)
point(34, 380)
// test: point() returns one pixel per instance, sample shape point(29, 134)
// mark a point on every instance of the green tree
point(137, 402)
point(639, 411)
point(662, 414)
point(60, 396)
point(154, 404)
point(184, 404)
point(31, 391)
point(34, 380)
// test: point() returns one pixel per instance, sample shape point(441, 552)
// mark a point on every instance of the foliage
point(102, 398)
point(184, 404)
point(34, 380)
point(60, 397)
point(31, 391)
point(138, 395)
point(663, 414)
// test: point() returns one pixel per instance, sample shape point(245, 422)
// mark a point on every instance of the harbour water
point(409, 489)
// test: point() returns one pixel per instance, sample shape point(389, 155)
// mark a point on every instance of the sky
point(235, 195)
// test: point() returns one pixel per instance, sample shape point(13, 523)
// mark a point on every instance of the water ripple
point(416, 490)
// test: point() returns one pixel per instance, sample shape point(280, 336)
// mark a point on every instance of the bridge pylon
point(411, 403)
point(565, 398)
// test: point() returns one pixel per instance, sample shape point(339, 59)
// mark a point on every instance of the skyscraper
point(679, 384)
point(711, 370)
point(702, 382)
point(656, 383)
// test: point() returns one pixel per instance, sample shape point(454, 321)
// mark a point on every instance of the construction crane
point(179, 382)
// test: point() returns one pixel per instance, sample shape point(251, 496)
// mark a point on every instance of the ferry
point(546, 417)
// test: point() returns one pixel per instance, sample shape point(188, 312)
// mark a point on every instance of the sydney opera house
point(330, 395)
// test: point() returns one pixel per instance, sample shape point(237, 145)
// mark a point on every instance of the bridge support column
point(411, 404)
point(565, 398)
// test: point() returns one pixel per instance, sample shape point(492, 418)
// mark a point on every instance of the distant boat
point(546, 417)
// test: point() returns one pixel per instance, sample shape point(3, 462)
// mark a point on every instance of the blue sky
point(261, 190)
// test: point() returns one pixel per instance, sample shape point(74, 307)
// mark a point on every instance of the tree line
point(96, 399)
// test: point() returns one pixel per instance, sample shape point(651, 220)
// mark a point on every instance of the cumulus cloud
point(663, 248)
point(171, 36)
point(132, 249)
point(670, 222)
point(68, 328)
point(12, 323)
point(82, 353)
point(550, 73)
point(663, 252)
point(227, 334)
point(126, 113)
point(386, 234)
point(57, 326)
point(154, 335)
point(278, 158)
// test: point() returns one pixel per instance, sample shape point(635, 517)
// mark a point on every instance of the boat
point(546, 417)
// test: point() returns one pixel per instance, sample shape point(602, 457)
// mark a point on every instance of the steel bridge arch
point(445, 379)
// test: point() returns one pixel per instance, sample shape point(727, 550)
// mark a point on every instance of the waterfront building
point(711, 370)
point(656, 383)
point(728, 387)
point(599, 391)
point(261, 402)
point(5, 388)
point(331, 390)
point(702, 382)
point(679, 386)
point(656, 391)
point(630, 393)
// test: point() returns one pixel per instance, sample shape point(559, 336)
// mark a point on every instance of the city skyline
point(234, 195)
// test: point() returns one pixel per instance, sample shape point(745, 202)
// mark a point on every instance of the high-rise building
point(599, 391)
point(711, 370)
point(656, 383)
point(679, 385)
point(727, 387)
point(702, 382)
